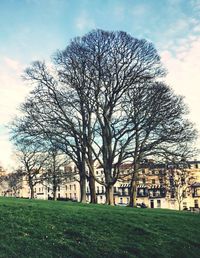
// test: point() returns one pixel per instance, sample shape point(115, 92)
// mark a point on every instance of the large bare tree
point(102, 102)
point(160, 128)
point(101, 67)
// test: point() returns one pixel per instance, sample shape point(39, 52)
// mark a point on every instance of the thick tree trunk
point(133, 187)
point(32, 192)
point(133, 194)
point(54, 185)
point(93, 198)
point(83, 189)
point(54, 193)
point(179, 205)
point(109, 195)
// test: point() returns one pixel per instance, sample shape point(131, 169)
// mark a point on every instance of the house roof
point(197, 184)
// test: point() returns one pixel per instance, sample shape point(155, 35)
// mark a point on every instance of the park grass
point(33, 228)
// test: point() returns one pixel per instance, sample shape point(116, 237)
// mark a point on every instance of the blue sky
point(31, 29)
point(35, 29)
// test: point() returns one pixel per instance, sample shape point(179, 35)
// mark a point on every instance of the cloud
point(84, 22)
point(140, 10)
point(119, 12)
point(12, 88)
point(7, 159)
point(196, 4)
point(183, 74)
point(12, 93)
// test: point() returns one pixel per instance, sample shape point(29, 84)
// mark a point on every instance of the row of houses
point(158, 186)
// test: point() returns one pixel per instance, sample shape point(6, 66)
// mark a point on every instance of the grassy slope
point(57, 229)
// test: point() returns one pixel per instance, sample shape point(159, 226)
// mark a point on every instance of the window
point(48, 189)
point(66, 195)
point(184, 194)
point(153, 181)
point(58, 195)
point(97, 189)
point(158, 203)
point(66, 187)
point(184, 205)
point(58, 188)
point(39, 190)
point(121, 200)
point(70, 187)
point(75, 196)
point(70, 195)
point(115, 189)
point(74, 187)
point(97, 172)
point(102, 189)
point(143, 180)
point(196, 205)
point(141, 191)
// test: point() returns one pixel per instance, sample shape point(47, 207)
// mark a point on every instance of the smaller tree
point(33, 158)
point(54, 173)
point(179, 183)
point(14, 181)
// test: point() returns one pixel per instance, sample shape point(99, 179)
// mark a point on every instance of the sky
point(34, 29)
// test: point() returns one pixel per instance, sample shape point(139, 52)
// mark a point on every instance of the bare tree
point(103, 66)
point(179, 181)
point(14, 181)
point(159, 125)
point(33, 158)
point(102, 102)
point(51, 115)
point(54, 173)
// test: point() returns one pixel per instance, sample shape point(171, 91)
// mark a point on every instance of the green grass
point(33, 228)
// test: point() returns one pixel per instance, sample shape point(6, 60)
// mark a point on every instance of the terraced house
point(158, 186)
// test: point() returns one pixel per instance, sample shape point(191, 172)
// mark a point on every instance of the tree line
point(103, 99)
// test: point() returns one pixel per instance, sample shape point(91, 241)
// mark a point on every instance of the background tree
point(33, 158)
point(179, 182)
point(54, 173)
point(160, 129)
point(14, 181)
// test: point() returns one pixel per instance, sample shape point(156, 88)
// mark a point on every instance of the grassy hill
point(33, 228)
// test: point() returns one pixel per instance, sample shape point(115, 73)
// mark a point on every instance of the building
point(158, 186)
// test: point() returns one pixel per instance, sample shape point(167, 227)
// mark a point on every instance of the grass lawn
point(33, 228)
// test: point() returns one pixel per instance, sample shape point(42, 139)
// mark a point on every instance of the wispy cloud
point(12, 88)
point(84, 22)
point(12, 93)
point(183, 73)
point(139, 10)
point(119, 12)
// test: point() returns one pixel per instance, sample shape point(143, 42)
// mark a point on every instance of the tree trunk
point(32, 191)
point(93, 198)
point(133, 194)
point(83, 189)
point(54, 193)
point(109, 195)
point(54, 184)
point(179, 205)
